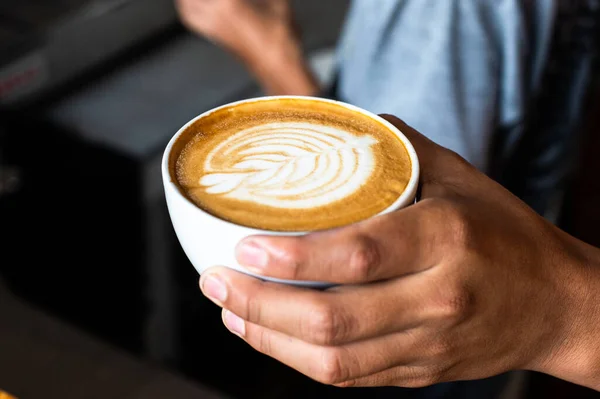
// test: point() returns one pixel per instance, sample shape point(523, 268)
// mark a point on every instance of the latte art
point(289, 165)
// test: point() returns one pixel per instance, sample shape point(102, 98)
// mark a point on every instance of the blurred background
point(90, 93)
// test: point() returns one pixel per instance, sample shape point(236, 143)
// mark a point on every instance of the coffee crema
point(290, 165)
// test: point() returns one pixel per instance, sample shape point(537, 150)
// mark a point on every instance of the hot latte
point(290, 164)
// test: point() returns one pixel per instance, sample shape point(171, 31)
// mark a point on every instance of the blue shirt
point(456, 70)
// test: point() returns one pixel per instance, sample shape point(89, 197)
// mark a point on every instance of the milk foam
point(292, 165)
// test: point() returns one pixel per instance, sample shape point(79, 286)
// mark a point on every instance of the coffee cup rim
point(404, 199)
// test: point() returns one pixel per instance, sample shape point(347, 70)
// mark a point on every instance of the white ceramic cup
point(209, 241)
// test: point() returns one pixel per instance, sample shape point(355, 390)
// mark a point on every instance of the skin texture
point(261, 33)
point(465, 284)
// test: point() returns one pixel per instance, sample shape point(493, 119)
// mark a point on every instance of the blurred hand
point(261, 33)
point(246, 27)
point(465, 284)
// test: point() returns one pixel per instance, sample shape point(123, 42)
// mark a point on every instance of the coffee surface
point(290, 165)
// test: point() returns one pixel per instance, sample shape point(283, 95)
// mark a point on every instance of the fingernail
point(235, 324)
point(214, 288)
point(252, 255)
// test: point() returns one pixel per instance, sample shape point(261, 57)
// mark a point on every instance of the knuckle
point(364, 259)
point(323, 325)
point(253, 309)
point(332, 371)
point(291, 256)
point(441, 348)
point(457, 305)
point(264, 343)
point(410, 377)
point(425, 378)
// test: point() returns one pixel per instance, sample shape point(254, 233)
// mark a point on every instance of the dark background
point(90, 93)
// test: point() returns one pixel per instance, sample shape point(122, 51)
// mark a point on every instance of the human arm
point(261, 34)
point(465, 284)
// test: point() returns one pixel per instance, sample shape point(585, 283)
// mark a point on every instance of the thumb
point(441, 170)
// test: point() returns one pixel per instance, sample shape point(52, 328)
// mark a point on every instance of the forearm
point(281, 69)
point(575, 353)
point(261, 34)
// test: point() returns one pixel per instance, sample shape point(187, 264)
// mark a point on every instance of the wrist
point(573, 353)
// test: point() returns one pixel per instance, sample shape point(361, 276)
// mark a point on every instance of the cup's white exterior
point(209, 241)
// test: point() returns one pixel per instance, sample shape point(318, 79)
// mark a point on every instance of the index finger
point(387, 246)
